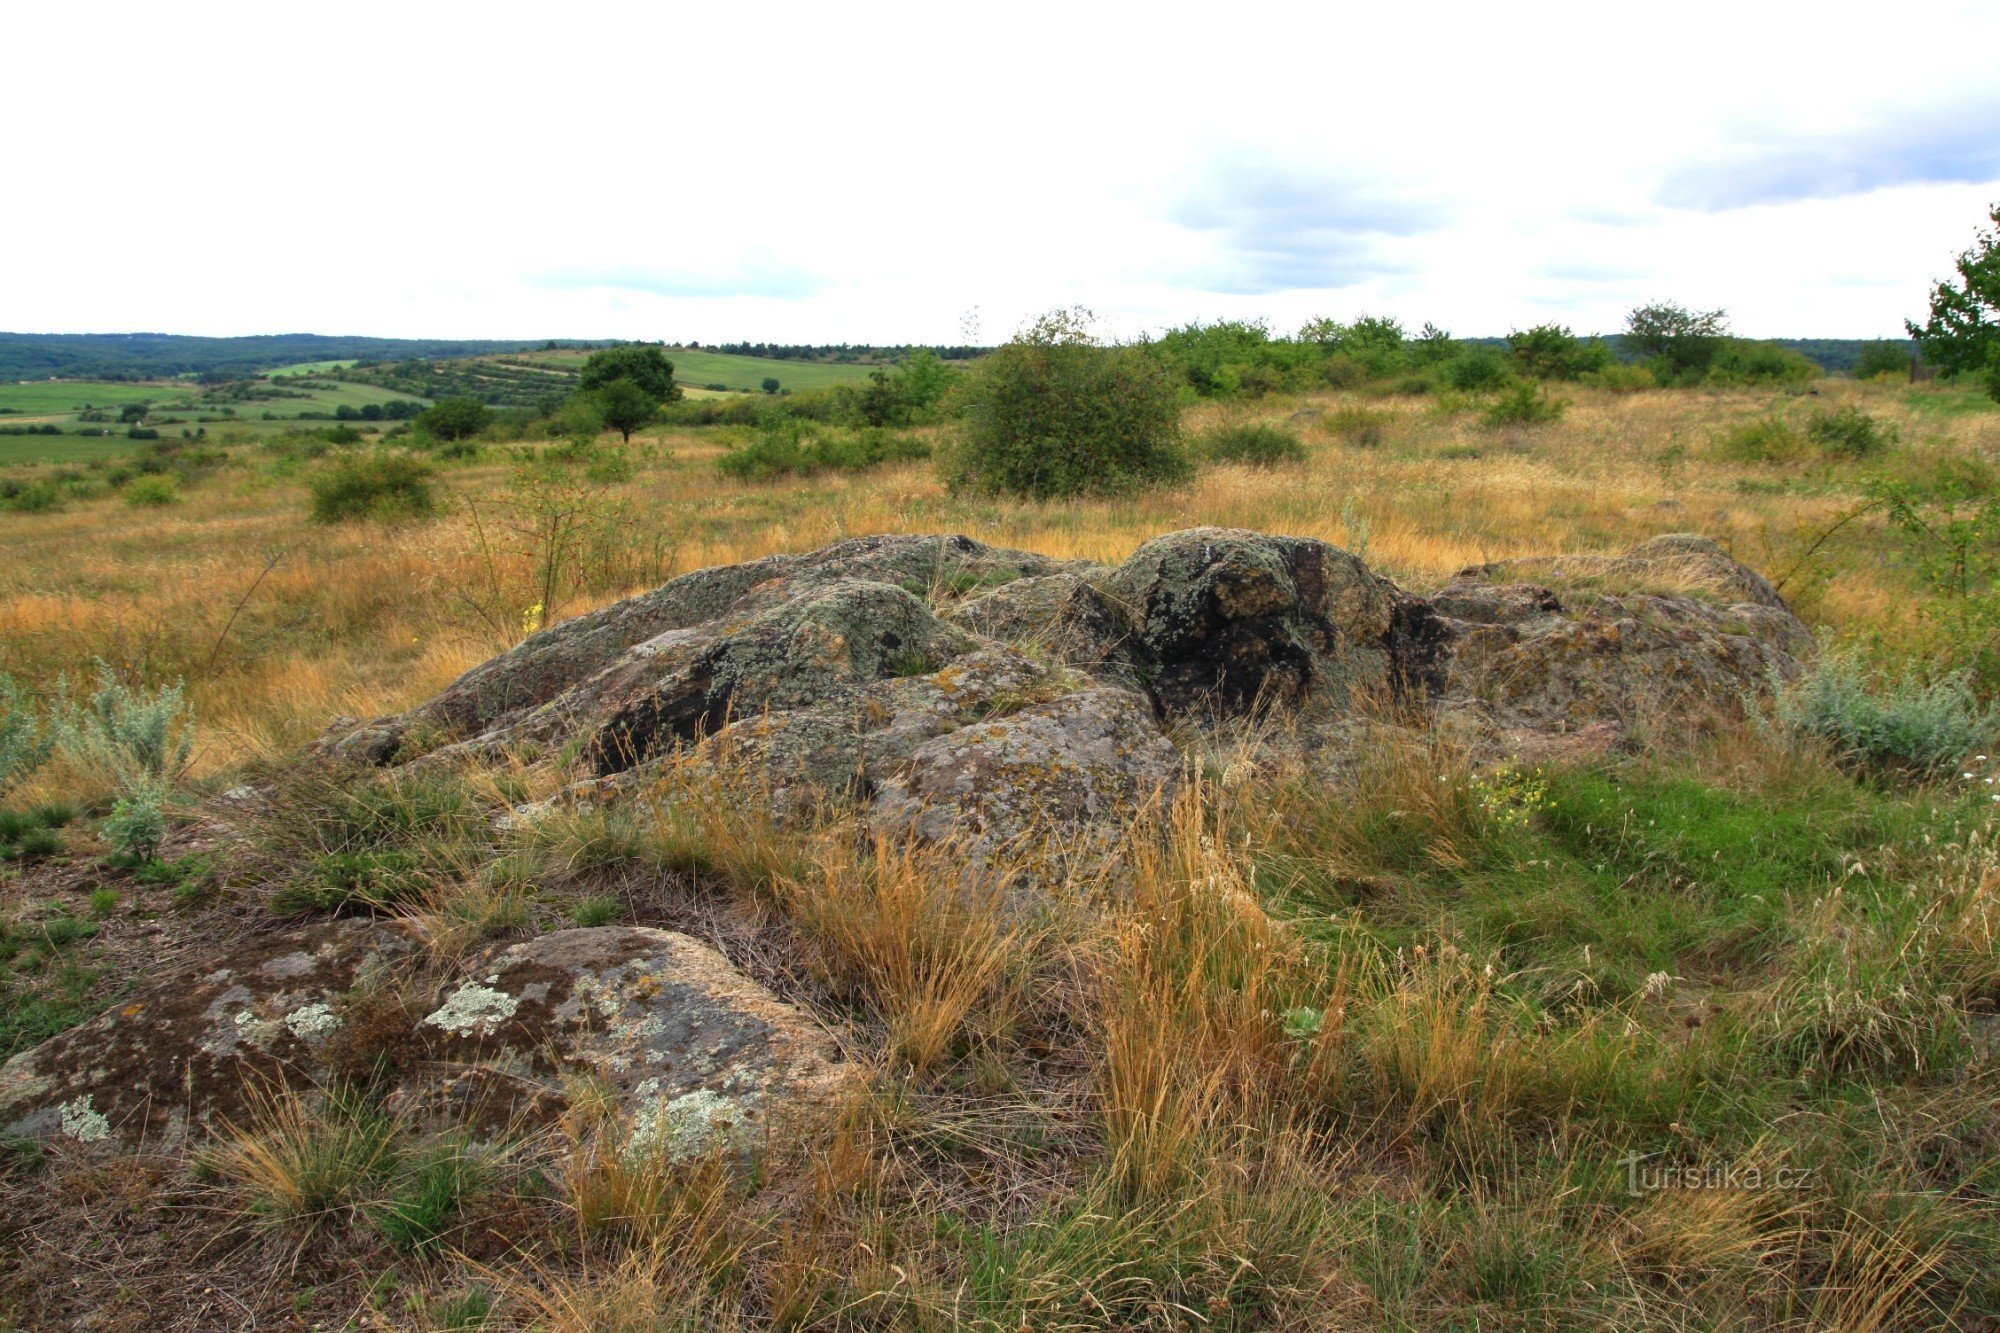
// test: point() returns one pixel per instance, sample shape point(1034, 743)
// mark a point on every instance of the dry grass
point(362, 620)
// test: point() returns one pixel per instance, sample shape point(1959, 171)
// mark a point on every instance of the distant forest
point(138, 356)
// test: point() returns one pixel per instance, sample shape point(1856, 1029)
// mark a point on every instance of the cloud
point(754, 274)
point(1276, 228)
point(1937, 145)
point(1584, 270)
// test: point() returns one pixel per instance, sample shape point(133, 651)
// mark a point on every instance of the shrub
point(1621, 378)
point(1054, 413)
point(1525, 405)
point(1476, 369)
point(1883, 357)
point(1741, 362)
point(1552, 352)
point(795, 448)
point(1850, 432)
point(129, 736)
point(38, 497)
point(1257, 444)
point(151, 493)
point(1360, 426)
point(137, 824)
point(25, 739)
point(383, 486)
point(1903, 726)
point(1765, 440)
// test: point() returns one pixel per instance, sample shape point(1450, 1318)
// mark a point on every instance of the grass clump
point(1056, 413)
point(1765, 440)
point(1362, 427)
point(1256, 444)
point(383, 486)
point(151, 492)
point(26, 738)
point(1903, 726)
point(1525, 404)
point(1850, 433)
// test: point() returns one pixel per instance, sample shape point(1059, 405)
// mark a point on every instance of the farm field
point(696, 368)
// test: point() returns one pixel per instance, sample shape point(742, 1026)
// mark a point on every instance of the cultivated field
point(1381, 1048)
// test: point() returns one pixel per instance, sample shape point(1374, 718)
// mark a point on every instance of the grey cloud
point(1937, 145)
point(1280, 229)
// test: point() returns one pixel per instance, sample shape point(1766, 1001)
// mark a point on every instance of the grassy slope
point(743, 373)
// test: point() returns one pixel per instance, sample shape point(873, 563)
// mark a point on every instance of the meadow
point(1386, 1054)
point(741, 374)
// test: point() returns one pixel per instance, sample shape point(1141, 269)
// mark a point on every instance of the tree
point(625, 406)
point(1962, 335)
point(1056, 413)
point(1685, 340)
point(1882, 357)
point(450, 419)
point(770, 384)
point(645, 365)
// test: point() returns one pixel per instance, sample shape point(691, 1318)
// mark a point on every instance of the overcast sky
point(931, 172)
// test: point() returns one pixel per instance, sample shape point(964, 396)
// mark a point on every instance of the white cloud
point(812, 172)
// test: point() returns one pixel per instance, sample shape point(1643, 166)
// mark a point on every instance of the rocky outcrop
point(955, 689)
point(695, 1052)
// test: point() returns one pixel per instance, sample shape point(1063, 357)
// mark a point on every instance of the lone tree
point(1056, 413)
point(1686, 340)
point(625, 407)
point(770, 384)
point(1962, 335)
point(645, 365)
point(451, 419)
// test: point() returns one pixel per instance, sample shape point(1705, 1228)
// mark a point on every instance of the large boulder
point(1226, 621)
point(690, 1047)
point(1073, 772)
point(875, 670)
point(1672, 635)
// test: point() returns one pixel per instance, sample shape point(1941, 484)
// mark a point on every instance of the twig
point(276, 554)
point(1825, 537)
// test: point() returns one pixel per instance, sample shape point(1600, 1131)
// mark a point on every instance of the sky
point(940, 173)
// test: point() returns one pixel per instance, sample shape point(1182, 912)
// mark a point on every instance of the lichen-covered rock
point(838, 676)
point(1063, 615)
point(1227, 621)
point(698, 1054)
point(692, 1048)
point(1674, 633)
point(495, 695)
point(195, 1049)
point(1074, 771)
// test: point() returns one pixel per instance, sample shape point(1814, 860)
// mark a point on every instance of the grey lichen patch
point(313, 1022)
point(690, 1125)
point(473, 1009)
point(83, 1122)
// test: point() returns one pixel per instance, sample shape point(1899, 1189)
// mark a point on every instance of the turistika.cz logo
point(1642, 1178)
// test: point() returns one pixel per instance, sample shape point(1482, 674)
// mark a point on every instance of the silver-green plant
point(25, 737)
point(137, 824)
point(129, 736)
point(1898, 724)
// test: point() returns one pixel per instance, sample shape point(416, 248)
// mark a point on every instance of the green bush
point(1476, 369)
point(1742, 362)
point(1850, 432)
point(786, 447)
point(151, 493)
point(383, 486)
point(1054, 413)
point(1257, 444)
point(1903, 726)
point(451, 419)
point(38, 497)
point(1525, 405)
point(1765, 440)
point(1618, 377)
point(1883, 357)
point(1552, 352)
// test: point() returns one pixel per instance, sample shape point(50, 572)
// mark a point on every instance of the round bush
point(1054, 413)
point(382, 486)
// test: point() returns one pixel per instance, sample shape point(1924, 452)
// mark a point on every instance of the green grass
point(309, 368)
point(743, 373)
point(63, 448)
point(53, 398)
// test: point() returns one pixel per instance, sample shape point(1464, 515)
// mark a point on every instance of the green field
point(62, 448)
point(309, 368)
point(48, 398)
point(745, 374)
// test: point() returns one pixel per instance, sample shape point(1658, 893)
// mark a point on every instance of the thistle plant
point(137, 741)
